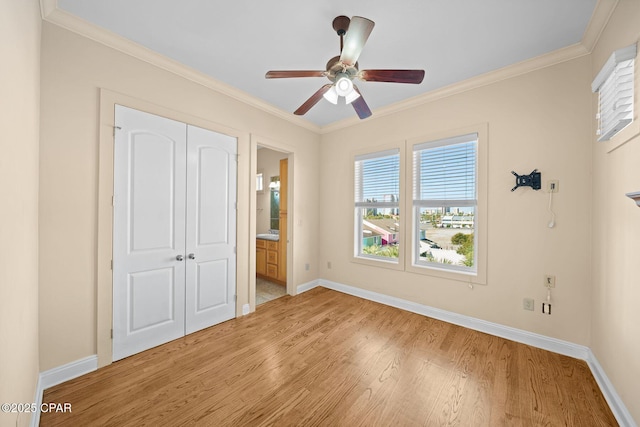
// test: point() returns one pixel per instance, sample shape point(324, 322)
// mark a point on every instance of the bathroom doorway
point(272, 191)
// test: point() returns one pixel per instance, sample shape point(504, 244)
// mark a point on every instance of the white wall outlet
point(528, 304)
point(553, 186)
point(549, 281)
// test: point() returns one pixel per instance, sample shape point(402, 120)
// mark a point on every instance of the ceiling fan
point(341, 70)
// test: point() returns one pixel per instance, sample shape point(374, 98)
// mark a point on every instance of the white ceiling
point(237, 42)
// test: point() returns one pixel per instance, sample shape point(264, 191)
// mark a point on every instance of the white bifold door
point(174, 261)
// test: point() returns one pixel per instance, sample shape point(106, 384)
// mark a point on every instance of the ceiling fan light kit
point(331, 95)
point(341, 70)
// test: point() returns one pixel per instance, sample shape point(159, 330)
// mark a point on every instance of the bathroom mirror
point(274, 190)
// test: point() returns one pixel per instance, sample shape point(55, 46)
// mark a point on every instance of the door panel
point(151, 298)
point(149, 231)
point(211, 224)
point(213, 195)
point(152, 200)
point(212, 277)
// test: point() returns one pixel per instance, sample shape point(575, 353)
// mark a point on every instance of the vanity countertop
point(267, 236)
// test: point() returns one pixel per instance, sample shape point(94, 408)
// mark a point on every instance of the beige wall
point(616, 227)
point(538, 120)
point(74, 69)
point(542, 120)
point(269, 164)
point(19, 121)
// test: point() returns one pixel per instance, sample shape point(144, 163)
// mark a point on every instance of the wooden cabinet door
point(261, 261)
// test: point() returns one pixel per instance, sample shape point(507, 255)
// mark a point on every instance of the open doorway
point(272, 184)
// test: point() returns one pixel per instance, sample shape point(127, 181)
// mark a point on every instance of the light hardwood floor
point(326, 358)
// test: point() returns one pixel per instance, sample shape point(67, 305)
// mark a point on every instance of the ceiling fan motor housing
point(335, 67)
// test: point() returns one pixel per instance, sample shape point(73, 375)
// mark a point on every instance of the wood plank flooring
point(326, 358)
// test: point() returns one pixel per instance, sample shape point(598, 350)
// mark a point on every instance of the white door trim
point(290, 150)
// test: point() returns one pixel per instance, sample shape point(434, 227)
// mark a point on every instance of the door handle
point(192, 256)
point(179, 257)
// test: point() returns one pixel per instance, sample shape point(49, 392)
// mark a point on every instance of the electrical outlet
point(549, 281)
point(553, 186)
point(306, 267)
point(528, 304)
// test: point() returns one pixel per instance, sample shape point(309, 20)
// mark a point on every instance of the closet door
point(211, 228)
point(149, 231)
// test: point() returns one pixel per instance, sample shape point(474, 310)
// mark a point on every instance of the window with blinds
point(614, 84)
point(445, 202)
point(377, 205)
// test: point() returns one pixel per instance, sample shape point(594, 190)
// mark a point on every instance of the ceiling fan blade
point(392, 76)
point(312, 101)
point(354, 40)
point(360, 105)
point(294, 73)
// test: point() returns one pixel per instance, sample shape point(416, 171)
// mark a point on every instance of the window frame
point(260, 181)
point(356, 224)
point(480, 217)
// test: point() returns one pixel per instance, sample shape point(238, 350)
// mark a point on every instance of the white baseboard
point(535, 340)
point(513, 334)
point(618, 408)
point(308, 286)
point(59, 375)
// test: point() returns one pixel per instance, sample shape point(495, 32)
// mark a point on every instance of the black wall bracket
point(532, 180)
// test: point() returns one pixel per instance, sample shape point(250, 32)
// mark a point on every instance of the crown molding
point(553, 58)
point(600, 17)
point(47, 7)
point(79, 26)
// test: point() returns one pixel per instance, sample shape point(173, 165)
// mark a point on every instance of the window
point(377, 205)
point(445, 203)
point(259, 182)
point(614, 84)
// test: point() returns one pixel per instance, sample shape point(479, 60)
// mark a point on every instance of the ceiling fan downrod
point(341, 25)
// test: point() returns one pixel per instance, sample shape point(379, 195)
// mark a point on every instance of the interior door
point(211, 225)
point(149, 231)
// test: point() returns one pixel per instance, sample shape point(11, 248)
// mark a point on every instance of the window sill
point(624, 136)
point(475, 278)
point(390, 263)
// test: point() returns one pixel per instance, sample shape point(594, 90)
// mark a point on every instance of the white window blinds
point(377, 179)
point(444, 172)
point(614, 84)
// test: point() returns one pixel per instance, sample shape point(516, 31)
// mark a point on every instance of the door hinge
point(234, 250)
point(112, 264)
point(113, 200)
point(235, 298)
point(111, 333)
